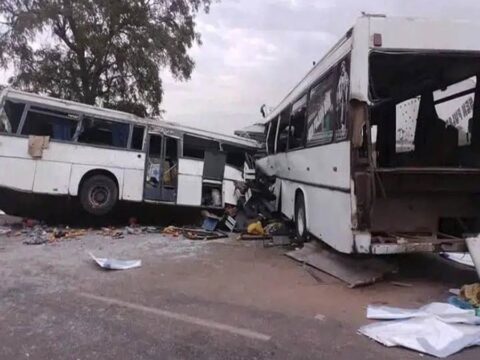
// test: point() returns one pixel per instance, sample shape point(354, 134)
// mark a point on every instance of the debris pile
point(468, 297)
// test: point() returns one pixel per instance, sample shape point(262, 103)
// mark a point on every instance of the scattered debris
point(277, 228)
point(210, 224)
point(459, 302)
point(256, 228)
point(114, 264)
point(196, 234)
point(320, 317)
point(112, 232)
point(455, 292)
point(173, 231)
point(438, 329)
point(254, 237)
point(471, 293)
point(133, 230)
point(38, 236)
point(461, 258)
point(400, 284)
point(5, 230)
point(353, 271)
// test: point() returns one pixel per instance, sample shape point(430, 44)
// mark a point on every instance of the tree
point(99, 51)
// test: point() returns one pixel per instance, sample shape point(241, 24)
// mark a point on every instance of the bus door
point(212, 179)
point(161, 178)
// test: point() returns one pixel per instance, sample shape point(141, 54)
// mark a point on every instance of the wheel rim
point(99, 196)
point(301, 221)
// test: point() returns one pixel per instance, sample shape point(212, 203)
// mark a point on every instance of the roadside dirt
point(227, 281)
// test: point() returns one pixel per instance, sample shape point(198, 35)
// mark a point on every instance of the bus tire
point(300, 219)
point(98, 195)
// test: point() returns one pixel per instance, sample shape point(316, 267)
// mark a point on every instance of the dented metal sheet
point(354, 271)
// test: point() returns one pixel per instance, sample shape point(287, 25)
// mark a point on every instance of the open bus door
point(212, 179)
point(161, 178)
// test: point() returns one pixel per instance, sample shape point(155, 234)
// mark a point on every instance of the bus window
point(342, 97)
point(194, 147)
point(137, 137)
point(320, 113)
point(272, 133)
point(283, 130)
point(104, 132)
point(235, 155)
point(10, 116)
point(44, 122)
point(298, 123)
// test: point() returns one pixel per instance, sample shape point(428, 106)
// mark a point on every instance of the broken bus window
point(45, 122)
point(298, 122)
point(103, 132)
point(137, 137)
point(194, 147)
point(10, 116)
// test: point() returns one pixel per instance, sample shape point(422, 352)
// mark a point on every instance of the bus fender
point(81, 172)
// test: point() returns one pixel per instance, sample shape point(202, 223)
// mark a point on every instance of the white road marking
point(182, 317)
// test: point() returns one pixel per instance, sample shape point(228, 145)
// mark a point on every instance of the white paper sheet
point(115, 264)
point(437, 329)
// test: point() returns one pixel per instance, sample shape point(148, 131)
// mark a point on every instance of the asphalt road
point(189, 300)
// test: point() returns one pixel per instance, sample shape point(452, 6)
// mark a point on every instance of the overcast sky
point(255, 51)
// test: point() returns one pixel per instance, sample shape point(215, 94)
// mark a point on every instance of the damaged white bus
point(54, 147)
point(377, 149)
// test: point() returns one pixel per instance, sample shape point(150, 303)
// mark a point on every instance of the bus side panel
point(189, 190)
point(326, 165)
point(231, 174)
point(52, 177)
point(190, 174)
point(228, 195)
point(329, 217)
point(288, 189)
point(328, 213)
point(17, 173)
point(133, 182)
point(17, 168)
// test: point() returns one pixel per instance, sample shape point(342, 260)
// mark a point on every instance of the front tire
point(300, 219)
point(98, 195)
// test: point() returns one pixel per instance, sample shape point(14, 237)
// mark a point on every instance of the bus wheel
point(300, 219)
point(98, 195)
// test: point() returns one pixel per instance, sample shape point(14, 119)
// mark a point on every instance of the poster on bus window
point(328, 106)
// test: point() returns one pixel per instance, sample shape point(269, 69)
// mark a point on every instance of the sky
point(255, 51)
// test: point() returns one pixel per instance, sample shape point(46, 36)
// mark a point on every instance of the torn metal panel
point(354, 271)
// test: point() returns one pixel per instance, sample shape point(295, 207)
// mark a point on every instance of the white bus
point(54, 147)
point(377, 149)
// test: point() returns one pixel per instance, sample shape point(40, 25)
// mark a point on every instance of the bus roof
point(115, 115)
point(391, 34)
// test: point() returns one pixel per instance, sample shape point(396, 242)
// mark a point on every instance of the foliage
point(99, 51)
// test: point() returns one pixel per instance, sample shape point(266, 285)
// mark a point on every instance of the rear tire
point(98, 195)
point(300, 219)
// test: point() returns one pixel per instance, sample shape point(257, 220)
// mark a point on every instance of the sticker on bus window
point(328, 106)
